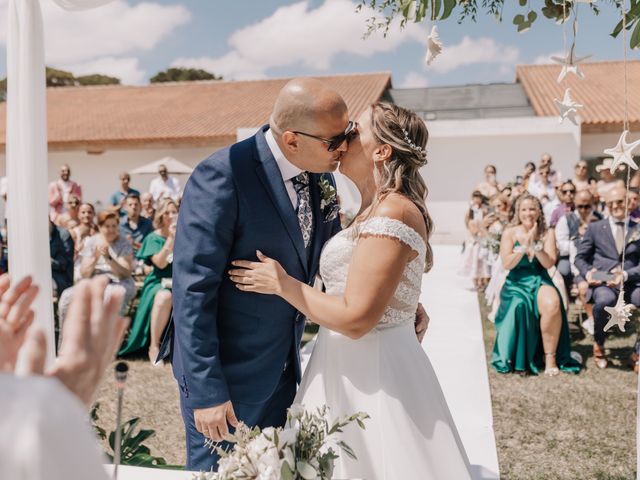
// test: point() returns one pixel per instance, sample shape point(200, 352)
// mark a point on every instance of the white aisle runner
point(456, 349)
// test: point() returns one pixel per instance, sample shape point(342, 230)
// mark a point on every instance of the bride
point(367, 357)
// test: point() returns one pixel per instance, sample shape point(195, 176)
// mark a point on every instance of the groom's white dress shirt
point(287, 169)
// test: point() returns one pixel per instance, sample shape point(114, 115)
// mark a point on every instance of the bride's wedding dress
point(386, 373)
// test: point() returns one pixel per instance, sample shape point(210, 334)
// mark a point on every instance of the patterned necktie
point(305, 217)
point(619, 237)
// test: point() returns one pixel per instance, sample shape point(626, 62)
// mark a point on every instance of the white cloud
point(414, 80)
point(298, 34)
point(546, 58)
point(470, 51)
point(113, 30)
point(126, 69)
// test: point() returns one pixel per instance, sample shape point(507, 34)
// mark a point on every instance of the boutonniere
point(328, 200)
point(634, 236)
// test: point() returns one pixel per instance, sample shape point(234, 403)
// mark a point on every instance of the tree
point(97, 79)
point(59, 78)
point(556, 10)
point(183, 75)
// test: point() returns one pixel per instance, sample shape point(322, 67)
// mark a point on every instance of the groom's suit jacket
point(229, 344)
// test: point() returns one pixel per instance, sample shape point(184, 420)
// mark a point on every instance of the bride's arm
point(374, 274)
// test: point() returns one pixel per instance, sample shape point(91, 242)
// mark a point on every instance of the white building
point(508, 125)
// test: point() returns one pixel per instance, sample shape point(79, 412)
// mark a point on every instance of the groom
point(236, 354)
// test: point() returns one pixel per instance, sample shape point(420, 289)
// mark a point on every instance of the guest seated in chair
point(155, 305)
point(61, 251)
point(599, 260)
point(107, 253)
point(531, 323)
point(569, 232)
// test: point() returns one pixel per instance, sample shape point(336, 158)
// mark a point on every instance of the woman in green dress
point(531, 323)
point(155, 305)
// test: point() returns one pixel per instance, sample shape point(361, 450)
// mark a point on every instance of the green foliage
point(59, 78)
point(183, 75)
point(132, 449)
point(97, 79)
point(556, 10)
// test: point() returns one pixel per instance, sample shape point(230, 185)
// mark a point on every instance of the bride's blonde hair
point(407, 135)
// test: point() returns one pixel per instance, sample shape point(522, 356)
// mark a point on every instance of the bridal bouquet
point(303, 449)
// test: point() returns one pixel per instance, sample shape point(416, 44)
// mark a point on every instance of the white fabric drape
point(81, 4)
point(27, 171)
point(26, 148)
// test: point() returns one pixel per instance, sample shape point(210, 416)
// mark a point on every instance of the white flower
point(296, 411)
point(286, 437)
point(264, 455)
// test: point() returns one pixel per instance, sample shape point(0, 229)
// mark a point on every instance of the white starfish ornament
point(570, 64)
point(434, 45)
point(621, 153)
point(568, 108)
point(620, 313)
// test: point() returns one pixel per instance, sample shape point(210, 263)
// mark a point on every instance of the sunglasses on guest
point(334, 143)
point(569, 190)
point(583, 207)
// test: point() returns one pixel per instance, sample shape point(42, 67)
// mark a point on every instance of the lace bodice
point(336, 257)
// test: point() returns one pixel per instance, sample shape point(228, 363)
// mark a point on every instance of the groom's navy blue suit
point(229, 344)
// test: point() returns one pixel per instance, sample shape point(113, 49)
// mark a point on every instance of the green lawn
point(570, 426)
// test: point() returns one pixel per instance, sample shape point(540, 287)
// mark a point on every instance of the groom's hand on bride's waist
point(213, 422)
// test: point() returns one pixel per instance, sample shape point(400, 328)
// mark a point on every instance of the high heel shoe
point(551, 371)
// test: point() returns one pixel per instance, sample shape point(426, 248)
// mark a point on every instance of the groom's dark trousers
point(228, 344)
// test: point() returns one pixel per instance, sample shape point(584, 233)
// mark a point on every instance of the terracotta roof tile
point(601, 92)
point(207, 112)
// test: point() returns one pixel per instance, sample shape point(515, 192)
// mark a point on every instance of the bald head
point(584, 196)
point(616, 194)
point(303, 102)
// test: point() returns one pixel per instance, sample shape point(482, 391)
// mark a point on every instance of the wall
point(593, 144)
point(459, 150)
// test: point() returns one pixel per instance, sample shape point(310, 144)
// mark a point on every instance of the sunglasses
point(568, 191)
point(583, 207)
point(334, 143)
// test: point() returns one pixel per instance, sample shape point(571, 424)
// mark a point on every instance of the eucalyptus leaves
point(528, 11)
point(303, 449)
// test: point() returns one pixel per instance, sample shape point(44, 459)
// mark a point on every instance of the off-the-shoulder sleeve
point(390, 227)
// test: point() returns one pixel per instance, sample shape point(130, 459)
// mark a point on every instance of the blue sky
point(134, 39)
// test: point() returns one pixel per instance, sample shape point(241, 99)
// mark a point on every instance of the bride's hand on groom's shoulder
point(213, 422)
point(265, 276)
